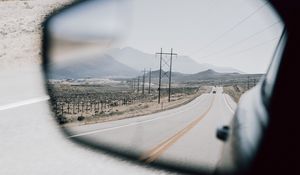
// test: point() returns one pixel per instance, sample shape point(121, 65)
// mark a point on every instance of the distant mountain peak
point(102, 66)
point(131, 49)
point(210, 71)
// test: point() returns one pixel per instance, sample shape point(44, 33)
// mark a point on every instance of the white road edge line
point(228, 106)
point(24, 102)
point(131, 124)
point(103, 130)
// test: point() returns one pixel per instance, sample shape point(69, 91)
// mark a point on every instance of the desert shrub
point(62, 120)
point(80, 118)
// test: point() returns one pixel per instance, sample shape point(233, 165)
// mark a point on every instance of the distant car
point(214, 92)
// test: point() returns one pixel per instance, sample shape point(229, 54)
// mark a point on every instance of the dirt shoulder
point(234, 91)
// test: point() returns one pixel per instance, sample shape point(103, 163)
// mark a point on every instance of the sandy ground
point(20, 31)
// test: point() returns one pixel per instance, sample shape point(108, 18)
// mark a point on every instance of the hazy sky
point(236, 33)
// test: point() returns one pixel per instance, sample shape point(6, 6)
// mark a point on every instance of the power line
point(241, 41)
point(252, 47)
point(233, 27)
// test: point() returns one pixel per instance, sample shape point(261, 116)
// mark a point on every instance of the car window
point(273, 69)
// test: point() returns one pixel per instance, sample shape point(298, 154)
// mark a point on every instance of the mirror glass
point(155, 79)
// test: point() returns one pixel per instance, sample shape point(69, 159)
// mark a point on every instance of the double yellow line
point(154, 153)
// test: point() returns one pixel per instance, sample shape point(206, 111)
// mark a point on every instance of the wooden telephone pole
point(138, 85)
point(149, 90)
point(143, 86)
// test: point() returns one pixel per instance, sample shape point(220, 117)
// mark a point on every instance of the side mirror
point(116, 83)
point(222, 133)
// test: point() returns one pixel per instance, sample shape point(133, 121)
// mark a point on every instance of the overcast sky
point(236, 33)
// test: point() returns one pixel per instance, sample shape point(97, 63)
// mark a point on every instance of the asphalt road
point(184, 135)
point(32, 142)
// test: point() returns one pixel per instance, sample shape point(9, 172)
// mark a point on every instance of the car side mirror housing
point(222, 133)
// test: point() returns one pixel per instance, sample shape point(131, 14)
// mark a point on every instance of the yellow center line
point(154, 153)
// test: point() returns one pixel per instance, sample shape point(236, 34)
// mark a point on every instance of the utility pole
point(159, 82)
point(149, 90)
point(133, 84)
point(161, 53)
point(248, 82)
point(143, 90)
point(138, 85)
point(170, 75)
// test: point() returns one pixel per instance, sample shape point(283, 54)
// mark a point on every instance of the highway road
point(32, 142)
point(184, 135)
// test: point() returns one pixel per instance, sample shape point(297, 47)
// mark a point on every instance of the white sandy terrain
point(20, 31)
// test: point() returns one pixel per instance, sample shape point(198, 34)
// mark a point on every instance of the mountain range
point(128, 63)
point(103, 66)
point(200, 76)
point(139, 60)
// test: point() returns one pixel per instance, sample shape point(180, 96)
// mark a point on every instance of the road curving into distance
point(184, 135)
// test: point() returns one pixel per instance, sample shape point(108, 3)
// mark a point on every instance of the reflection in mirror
point(157, 82)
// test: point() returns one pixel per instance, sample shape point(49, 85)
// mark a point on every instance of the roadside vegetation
point(238, 88)
point(84, 104)
point(77, 102)
point(234, 91)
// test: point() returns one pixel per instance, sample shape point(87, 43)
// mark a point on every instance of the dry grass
point(235, 92)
